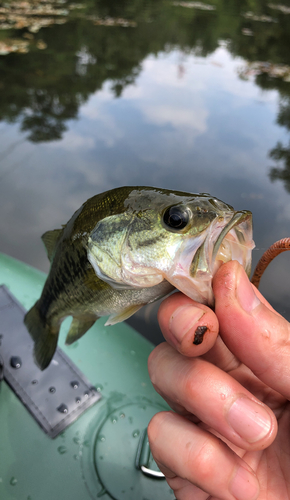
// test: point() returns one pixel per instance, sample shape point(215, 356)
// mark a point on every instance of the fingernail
point(245, 294)
point(244, 485)
point(183, 319)
point(248, 419)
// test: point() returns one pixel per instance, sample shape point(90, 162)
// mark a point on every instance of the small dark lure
point(199, 334)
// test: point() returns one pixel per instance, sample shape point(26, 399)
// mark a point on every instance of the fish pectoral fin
point(50, 239)
point(122, 315)
point(44, 335)
point(79, 326)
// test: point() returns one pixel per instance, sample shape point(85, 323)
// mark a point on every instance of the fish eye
point(176, 217)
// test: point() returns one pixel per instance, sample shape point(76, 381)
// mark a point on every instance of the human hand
point(229, 435)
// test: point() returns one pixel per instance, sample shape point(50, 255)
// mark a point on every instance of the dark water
point(181, 95)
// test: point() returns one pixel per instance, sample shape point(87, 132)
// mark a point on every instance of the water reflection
point(66, 64)
point(183, 95)
point(281, 154)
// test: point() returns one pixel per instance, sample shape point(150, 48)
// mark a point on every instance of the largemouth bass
point(129, 247)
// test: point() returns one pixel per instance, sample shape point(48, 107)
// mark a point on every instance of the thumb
point(251, 329)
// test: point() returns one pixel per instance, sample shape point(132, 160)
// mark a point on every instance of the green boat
point(77, 430)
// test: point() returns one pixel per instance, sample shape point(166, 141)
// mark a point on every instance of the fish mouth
point(229, 238)
point(233, 243)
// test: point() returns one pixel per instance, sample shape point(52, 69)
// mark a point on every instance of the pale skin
point(228, 436)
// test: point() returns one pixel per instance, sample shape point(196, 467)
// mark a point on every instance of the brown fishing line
point(270, 254)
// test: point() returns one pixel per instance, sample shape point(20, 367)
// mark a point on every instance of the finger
point(252, 330)
point(187, 452)
point(194, 386)
point(220, 355)
point(190, 328)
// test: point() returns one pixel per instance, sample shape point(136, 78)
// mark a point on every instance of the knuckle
point(154, 427)
point(203, 460)
point(193, 378)
point(151, 362)
point(154, 361)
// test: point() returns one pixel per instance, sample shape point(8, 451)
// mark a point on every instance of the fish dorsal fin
point(50, 239)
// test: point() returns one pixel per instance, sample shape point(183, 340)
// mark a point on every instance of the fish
point(128, 247)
